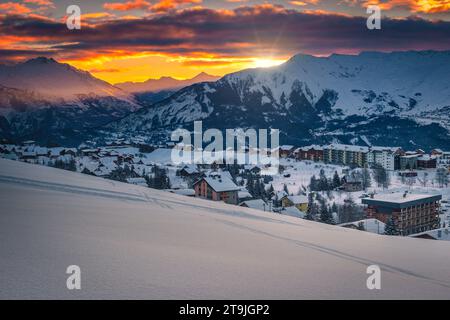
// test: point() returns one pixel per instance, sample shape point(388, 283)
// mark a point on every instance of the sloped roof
point(221, 184)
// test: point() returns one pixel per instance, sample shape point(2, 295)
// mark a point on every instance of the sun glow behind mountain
point(267, 62)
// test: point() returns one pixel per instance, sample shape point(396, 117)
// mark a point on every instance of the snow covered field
point(135, 242)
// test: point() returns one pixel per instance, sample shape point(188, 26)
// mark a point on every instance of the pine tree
point(325, 215)
point(285, 189)
point(336, 180)
point(313, 183)
point(391, 228)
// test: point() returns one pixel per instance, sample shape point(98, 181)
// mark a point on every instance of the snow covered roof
point(298, 199)
point(438, 234)
point(221, 184)
point(347, 147)
point(293, 212)
point(397, 200)
point(311, 147)
point(286, 147)
point(257, 204)
point(190, 169)
point(370, 225)
point(390, 149)
point(244, 194)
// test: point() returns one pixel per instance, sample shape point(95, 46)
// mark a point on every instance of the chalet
point(257, 204)
point(351, 184)
point(190, 171)
point(217, 188)
point(28, 156)
point(300, 202)
point(412, 213)
point(313, 153)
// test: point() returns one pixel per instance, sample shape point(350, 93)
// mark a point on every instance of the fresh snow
point(135, 242)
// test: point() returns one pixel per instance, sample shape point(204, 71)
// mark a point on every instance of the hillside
point(135, 242)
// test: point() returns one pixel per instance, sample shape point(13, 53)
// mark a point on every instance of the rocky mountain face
point(399, 98)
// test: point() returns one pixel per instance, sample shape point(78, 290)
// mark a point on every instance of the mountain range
point(392, 99)
point(165, 83)
point(398, 98)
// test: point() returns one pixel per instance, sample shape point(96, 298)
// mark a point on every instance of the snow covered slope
point(50, 102)
point(398, 98)
point(134, 242)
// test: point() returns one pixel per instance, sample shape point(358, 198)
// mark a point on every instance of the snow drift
point(135, 242)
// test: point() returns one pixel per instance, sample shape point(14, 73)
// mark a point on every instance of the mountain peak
point(41, 60)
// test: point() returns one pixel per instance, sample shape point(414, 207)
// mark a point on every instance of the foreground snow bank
point(135, 242)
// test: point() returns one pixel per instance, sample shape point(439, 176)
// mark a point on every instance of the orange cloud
point(40, 2)
point(165, 5)
point(14, 8)
point(127, 6)
point(304, 2)
point(417, 6)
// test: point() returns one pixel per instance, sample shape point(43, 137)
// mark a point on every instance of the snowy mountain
point(135, 242)
point(165, 83)
point(398, 98)
point(48, 101)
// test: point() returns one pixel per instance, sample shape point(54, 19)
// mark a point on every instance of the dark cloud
point(246, 31)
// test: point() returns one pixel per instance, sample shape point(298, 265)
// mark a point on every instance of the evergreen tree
point(391, 228)
point(336, 180)
point(313, 183)
point(325, 215)
point(310, 212)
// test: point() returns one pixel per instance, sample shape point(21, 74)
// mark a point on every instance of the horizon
point(216, 75)
point(137, 40)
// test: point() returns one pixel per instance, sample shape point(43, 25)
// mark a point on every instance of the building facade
point(217, 189)
point(346, 154)
point(313, 153)
point(412, 213)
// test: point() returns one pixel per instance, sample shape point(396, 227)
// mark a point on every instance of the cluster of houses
point(390, 158)
point(415, 215)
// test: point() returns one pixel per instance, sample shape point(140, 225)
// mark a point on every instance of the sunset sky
point(134, 40)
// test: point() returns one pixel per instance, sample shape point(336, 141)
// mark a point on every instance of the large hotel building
point(412, 213)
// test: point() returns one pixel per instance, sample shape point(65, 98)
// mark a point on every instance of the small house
point(217, 188)
point(300, 202)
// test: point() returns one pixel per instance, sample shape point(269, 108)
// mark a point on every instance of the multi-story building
point(412, 213)
point(408, 162)
point(384, 156)
point(313, 153)
point(346, 154)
